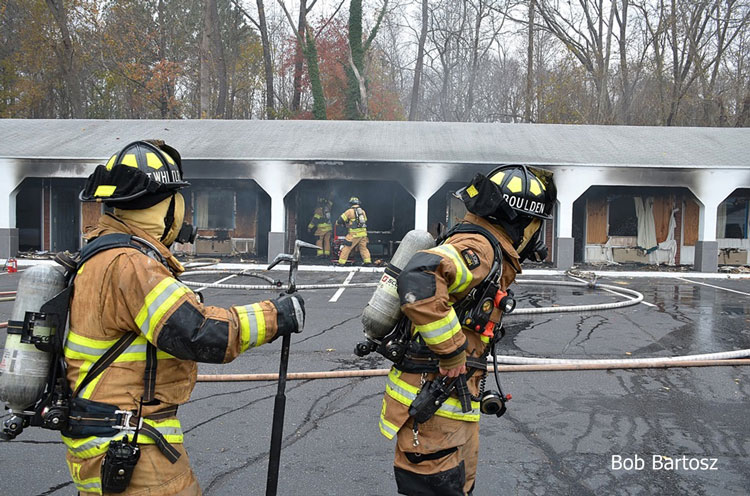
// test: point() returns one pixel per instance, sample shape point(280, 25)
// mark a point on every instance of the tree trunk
point(624, 73)
point(603, 104)
point(474, 63)
point(67, 58)
point(212, 29)
point(267, 65)
point(205, 83)
point(529, 65)
point(354, 109)
point(416, 87)
point(311, 56)
point(298, 65)
point(164, 94)
point(743, 118)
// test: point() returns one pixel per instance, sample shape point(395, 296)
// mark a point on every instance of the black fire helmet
point(510, 191)
point(140, 175)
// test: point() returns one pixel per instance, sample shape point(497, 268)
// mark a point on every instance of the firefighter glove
point(290, 314)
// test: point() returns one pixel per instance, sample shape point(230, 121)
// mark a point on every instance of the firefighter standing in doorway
point(355, 219)
point(321, 224)
point(439, 456)
point(136, 332)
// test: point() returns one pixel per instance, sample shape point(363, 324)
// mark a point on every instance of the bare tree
point(306, 39)
point(262, 27)
point(586, 31)
point(419, 66)
point(67, 58)
point(529, 64)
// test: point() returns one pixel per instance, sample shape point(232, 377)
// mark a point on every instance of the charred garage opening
point(49, 215)
point(389, 207)
point(648, 225)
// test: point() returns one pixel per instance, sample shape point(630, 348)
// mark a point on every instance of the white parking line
point(340, 291)
point(712, 286)
point(217, 282)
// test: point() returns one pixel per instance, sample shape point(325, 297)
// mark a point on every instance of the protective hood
point(528, 233)
point(179, 217)
point(152, 219)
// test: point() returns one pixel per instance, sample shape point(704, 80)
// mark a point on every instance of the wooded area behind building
point(640, 62)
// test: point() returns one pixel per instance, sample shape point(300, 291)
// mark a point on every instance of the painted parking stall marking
point(340, 291)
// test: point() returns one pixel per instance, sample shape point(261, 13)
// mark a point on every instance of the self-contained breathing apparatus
point(57, 406)
point(479, 311)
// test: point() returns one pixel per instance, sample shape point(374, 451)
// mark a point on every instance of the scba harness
point(60, 408)
point(481, 311)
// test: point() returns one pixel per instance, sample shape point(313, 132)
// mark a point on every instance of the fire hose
point(545, 367)
point(511, 363)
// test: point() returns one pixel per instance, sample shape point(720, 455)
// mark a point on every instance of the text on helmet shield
point(524, 204)
point(165, 176)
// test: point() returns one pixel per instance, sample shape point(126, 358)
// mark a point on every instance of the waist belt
point(102, 420)
point(419, 359)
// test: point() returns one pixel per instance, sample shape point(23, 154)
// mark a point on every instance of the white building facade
point(625, 194)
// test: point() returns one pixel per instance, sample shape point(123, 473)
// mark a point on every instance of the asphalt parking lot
point(572, 432)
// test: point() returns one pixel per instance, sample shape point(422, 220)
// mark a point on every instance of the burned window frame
point(220, 193)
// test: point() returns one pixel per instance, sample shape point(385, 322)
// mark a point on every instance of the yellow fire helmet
point(140, 175)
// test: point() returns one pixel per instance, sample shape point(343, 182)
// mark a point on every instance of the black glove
point(290, 314)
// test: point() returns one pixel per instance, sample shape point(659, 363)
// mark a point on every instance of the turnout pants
point(360, 244)
point(153, 474)
point(324, 243)
point(445, 461)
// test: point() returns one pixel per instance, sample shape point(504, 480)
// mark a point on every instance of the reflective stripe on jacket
point(429, 286)
point(349, 218)
point(123, 290)
point(320, 221)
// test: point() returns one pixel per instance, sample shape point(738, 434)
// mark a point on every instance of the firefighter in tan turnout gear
point(136, 332)
point(355, 219)
point(320, 225)
point(439, 455)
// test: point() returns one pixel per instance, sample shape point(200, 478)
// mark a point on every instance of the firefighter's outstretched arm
point(424, 288)
point(172, 318)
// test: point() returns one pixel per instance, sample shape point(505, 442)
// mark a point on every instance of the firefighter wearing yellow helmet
point(444, 294)
point(320, 225)
point(355, 219)
point(136, 332)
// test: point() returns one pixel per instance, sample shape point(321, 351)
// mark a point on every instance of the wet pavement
point(564, 433)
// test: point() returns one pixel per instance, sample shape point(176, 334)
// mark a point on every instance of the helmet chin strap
point(168, 219)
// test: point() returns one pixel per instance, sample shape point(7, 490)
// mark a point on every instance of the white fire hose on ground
point(509, 363)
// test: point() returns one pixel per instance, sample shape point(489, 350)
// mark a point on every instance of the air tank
point(384, 309)
point(24, 368)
